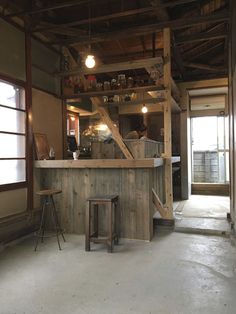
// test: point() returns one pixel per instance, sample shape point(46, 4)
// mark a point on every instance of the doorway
point(210, 150)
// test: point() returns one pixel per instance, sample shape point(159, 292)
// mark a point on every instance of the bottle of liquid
point(51, 153)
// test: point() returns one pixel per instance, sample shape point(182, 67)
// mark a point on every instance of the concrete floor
point(174, 274)
point(203, 214)
point(204, 206)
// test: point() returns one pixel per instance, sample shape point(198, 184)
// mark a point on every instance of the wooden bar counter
point(132, 180)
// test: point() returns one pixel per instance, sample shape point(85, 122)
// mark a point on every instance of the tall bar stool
point(111, 203)
point(48, 200)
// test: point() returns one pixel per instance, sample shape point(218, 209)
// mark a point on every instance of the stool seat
point(48, 192)
point(47, 196)
point(111, 204)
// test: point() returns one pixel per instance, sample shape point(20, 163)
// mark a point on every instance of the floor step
point(207, 226)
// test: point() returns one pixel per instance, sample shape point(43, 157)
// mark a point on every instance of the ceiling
point(119, 30)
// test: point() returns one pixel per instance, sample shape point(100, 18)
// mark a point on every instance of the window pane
point(12, 96)
point(12, 120)
point(221, 133)
point(204, 133)
point(12, 171)
point(12, 146)
point(226, 132)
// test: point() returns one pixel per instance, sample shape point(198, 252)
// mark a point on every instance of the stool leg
point(87, 226)
point(95, 220)
point(57, 220)
point(110, 229)
point(41, 224)
point(117, 223)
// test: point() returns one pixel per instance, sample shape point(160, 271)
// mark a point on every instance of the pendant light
point(90, 60)
point(144, 109)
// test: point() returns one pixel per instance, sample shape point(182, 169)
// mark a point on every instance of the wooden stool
point(48, 200)
point(111, 203)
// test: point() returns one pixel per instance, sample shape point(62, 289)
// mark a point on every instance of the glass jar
point(113, 84)
point(106, 85)
point(99, 87)
point(121, 81)
point(130, 82)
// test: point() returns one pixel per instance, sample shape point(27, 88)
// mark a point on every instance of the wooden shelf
point(115, 92)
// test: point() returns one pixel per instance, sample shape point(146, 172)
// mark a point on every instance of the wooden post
point(29, 136)
point(167, 124)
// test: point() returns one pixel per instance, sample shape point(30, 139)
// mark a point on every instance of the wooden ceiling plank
point(62, 5)
point(148, 29)
point(200, 37)
point(115, 15)
point(204, 67)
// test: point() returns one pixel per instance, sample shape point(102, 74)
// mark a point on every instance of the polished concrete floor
point(173, 274)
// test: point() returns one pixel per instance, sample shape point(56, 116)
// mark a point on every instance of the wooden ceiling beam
point(204, 67)
point(163, 15)
point(62, 5)
point(200, 37)
point(115, 15)
point(148, 29)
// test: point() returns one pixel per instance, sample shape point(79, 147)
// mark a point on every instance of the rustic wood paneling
point(134, 187)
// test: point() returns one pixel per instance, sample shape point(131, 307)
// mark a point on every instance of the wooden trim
point(10, 79)
point(12, 133)
point(13, 186)
point(100, 163)
point(29, 126)
point(16, 109)
point(14, 158)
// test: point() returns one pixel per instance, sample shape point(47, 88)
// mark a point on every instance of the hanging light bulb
point(144, 109)
point(90, 61)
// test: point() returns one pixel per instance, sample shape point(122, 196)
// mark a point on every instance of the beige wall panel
point(13, 202)
point(47, 119)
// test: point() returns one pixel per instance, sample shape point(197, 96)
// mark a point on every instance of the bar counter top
point(104, 163)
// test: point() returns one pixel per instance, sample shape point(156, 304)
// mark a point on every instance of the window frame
point(21, 184)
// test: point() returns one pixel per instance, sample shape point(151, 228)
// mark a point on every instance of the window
point(12, 134)
point(210, 149)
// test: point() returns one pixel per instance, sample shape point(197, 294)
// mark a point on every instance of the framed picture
point(41, 146)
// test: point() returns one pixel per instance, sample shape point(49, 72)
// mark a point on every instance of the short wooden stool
point(111, 203)
point(48, 200)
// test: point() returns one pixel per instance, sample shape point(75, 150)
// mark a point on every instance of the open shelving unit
point(163, 97)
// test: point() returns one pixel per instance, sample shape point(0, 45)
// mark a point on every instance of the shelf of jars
point(97, 93)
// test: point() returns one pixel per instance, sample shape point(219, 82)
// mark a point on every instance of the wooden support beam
point(58, 6)
point(114, 67)
point(199, 37)
point(107, 17)
point(175, 92)
point(205, 67)
point(158, 204)
point(167, 123)
point(114, 130)
point(146, 29)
